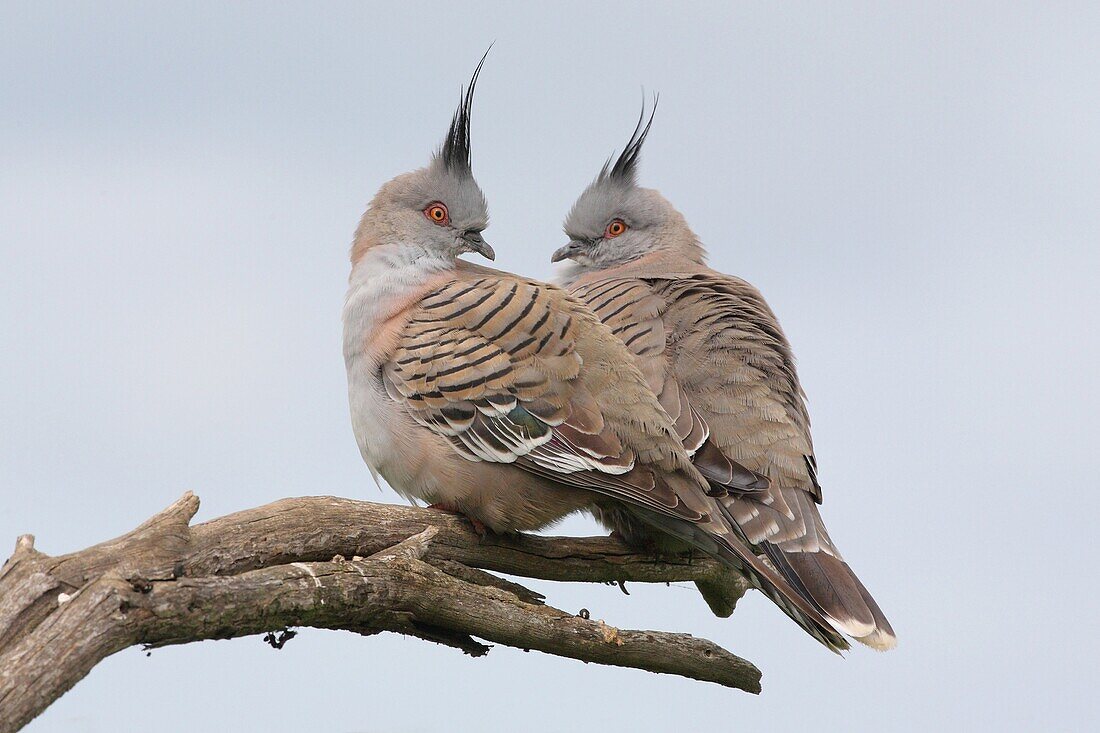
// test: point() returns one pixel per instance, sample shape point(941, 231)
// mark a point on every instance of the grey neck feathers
point(372, 230)
point(398, 263)
point(677, 239)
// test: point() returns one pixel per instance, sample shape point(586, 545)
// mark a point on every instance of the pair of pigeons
point(651, 391)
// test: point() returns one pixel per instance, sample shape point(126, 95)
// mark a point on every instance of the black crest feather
point(455, 152)
point(625, 169)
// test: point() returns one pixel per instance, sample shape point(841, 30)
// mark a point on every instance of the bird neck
point(678, 243)
point(395, 268)
point(385, 282)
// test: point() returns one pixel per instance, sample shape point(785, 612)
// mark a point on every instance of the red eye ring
point(437, 213)
point(615, 228)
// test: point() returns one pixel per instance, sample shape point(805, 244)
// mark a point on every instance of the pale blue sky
point(913, 187)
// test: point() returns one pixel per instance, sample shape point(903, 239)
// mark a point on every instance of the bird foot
point(479, 527)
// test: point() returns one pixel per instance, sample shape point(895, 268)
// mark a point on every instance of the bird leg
point(479, 526)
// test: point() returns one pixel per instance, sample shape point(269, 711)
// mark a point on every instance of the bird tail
point(732, 549)
point(833, 588)
point(779, 591)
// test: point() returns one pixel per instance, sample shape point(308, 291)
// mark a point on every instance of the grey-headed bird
point(503, 398)
point(714, 353)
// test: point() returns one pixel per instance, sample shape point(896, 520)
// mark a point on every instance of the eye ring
point(437, 213)
point(615, 228)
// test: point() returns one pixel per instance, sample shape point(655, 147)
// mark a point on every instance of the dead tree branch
point(326, 563)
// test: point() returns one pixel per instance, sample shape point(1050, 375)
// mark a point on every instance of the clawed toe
point(479, 527)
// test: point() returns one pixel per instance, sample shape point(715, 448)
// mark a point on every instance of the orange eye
point(437, 212)
point(615, 228)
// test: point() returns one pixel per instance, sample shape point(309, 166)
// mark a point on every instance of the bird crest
point(454, 154)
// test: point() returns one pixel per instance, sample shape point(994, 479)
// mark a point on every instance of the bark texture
point(330, 563)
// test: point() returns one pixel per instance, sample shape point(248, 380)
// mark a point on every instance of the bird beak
point(475, 243)
point(568, 251)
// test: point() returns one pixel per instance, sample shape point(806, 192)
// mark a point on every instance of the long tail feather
point(735, 552)
point(834, 589)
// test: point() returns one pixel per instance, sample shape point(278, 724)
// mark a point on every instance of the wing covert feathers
point(494, 363)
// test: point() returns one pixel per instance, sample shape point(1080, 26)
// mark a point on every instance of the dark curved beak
point(476, 243)
point(568, 251)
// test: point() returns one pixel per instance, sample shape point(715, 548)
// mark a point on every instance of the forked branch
point(326, 563)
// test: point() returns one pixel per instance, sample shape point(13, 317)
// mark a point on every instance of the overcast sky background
point(914, 189)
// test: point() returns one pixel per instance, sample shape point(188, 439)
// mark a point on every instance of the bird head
point(439, 209)
point(615, 221)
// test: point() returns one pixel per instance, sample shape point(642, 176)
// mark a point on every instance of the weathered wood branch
point(329, 563)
